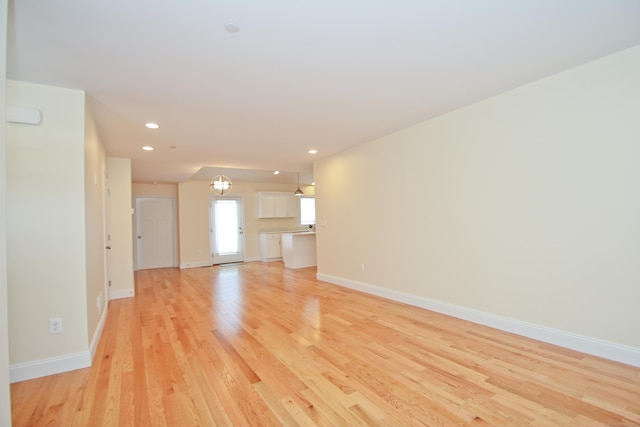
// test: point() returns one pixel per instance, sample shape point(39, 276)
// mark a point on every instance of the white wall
point(46, 239)
point(5, 401)
point(95, 169)
point(524, 206)
point(193, 208)
point(121, 228)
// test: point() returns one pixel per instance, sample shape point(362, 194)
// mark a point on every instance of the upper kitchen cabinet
point(273, 204)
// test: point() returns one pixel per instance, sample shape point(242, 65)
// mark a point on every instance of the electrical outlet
point(362, 267)
point(55, 325)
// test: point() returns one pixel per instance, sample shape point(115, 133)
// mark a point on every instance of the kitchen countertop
point(299, 233)
point(286, 232)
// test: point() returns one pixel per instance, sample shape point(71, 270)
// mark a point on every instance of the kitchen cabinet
point(274, 204)
point(270, 248)
point(299, 249)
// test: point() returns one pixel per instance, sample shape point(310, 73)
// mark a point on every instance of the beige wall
point(139, 189)
point(5, 401)
point(94, 184)
point(193, 224)
point(120, 228)
point(46, 239)
point(524, 206)
point(193, 207)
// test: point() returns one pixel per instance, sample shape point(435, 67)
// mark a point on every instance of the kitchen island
point(299, 249)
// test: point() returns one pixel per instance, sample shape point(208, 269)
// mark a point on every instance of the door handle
point(108, 247)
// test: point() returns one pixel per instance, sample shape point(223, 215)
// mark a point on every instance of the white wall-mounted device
point(28, 116)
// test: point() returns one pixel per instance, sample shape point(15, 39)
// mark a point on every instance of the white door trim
point(106, 194)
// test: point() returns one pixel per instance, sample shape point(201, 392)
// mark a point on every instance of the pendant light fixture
point(298, 192)
point(220, 184)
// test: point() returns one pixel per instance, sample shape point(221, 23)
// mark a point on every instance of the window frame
point(302, 219)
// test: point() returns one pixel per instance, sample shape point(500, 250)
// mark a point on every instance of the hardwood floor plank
point(261, 345)
point(298, 414)
point(274, 404)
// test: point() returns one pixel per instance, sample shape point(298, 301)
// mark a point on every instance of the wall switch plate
point(55, 325)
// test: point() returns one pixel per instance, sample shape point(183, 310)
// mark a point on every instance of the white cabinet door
point(276, 205)
point(280, 201)
point(266, 205)
point(270, 249)
point(273, 247)
point(291, 203)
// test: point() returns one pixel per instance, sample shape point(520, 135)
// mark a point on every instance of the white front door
point(227, 235)
point(154, 230)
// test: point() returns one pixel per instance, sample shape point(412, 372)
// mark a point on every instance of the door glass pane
point(227, 238)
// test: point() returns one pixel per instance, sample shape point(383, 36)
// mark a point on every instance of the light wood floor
point(256, 344)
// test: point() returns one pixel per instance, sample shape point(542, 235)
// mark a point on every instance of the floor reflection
point(312, 317)
point(228, 300)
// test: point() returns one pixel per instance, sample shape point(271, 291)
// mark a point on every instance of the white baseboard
point(608, 350)
point(124, 293)
point(208, 264)
point(98, 333)
point(57, 365)
point(51, 366)
point(195, 265)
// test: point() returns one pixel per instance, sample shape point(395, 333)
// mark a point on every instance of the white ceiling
point(299, 74)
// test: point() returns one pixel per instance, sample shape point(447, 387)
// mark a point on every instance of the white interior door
point(154, 229)
point(227, 234)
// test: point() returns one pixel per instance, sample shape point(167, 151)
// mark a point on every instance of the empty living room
point(294, 213)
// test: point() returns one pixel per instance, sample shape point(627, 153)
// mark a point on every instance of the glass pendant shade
point(298, 192)
point(221, 185)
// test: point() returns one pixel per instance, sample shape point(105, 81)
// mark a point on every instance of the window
point(307, 210)
point(226, 225)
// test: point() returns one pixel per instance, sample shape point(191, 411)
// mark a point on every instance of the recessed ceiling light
point(147, 148)
point(312, 151)
point(232, 27)
point(152, 125)
point(276, 172)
